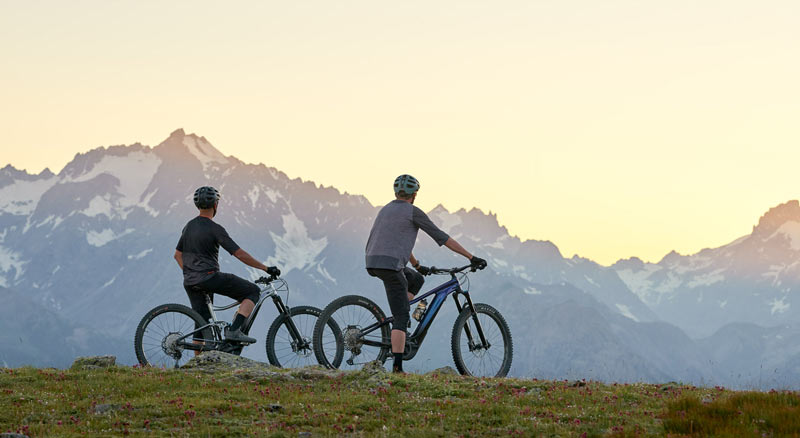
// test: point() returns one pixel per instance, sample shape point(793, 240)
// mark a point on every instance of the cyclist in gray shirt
point(389, 249)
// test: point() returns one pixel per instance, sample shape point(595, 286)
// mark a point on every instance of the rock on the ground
point(94, 362)
point(373, 368)
point(316, 372)
point(444, 371)
point(12, 435)
point(226, 364)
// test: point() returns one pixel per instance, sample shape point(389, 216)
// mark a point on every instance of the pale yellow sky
point(613, 128)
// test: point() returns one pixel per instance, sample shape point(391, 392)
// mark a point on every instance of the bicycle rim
point(161, 338)
point(290, 352)
point(475, 360)
point(351, 318)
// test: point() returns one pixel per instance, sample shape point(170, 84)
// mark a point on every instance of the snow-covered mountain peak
point(10, 174)
point(197, 146)
point(776, 217)
point(13, 172)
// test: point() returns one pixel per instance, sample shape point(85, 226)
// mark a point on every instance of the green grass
point(747, 414)
point(150, 402)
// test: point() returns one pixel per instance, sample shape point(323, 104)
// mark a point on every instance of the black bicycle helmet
point(205, 197)
point(406, 184)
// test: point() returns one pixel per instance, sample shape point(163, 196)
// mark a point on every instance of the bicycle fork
point(299, 342)
point(484, 344)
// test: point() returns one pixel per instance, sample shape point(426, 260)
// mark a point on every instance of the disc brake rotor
point(352, 339)
point(304, 350)
point(170, 345)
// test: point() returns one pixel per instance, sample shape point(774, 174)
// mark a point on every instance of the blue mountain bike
point(481, 340)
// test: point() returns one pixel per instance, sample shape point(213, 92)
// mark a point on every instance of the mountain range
point(86, 252)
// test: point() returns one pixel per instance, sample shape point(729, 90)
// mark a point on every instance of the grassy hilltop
point(123, 401)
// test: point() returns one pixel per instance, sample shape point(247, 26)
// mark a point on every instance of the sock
point(398, 362)
point(237, 322)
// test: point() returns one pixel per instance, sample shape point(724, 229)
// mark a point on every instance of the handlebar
point(266, 280)
point(439, 271)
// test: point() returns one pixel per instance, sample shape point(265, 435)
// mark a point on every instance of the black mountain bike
point(481, 340)
point(166, 335)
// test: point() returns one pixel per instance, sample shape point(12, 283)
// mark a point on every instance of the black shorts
point(397, 283)
point(221, 283)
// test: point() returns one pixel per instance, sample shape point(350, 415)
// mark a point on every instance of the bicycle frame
point(217, 326)
point(441, 292)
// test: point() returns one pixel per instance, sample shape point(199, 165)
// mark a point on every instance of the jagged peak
point(440, 209)
point(671, 258)
point(178, 133)
point(777, 216)
point(633, 263)
point(12, 172)
point(197, 146)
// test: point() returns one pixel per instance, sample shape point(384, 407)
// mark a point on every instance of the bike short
point(221, 283)
point(397, 283)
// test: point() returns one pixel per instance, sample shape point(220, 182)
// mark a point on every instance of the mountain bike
point(480, 342)
point(167, 333)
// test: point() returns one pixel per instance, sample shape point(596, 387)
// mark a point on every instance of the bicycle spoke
point(286, 347)
point(353, 317)
point(164, 330)
point(483, 360)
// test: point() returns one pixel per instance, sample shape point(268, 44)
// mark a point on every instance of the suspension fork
point(478, 327)
point(283, 310)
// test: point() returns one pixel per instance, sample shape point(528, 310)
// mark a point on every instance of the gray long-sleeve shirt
point(394, 234)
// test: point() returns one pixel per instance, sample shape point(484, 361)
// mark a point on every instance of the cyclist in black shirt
point(197, 254)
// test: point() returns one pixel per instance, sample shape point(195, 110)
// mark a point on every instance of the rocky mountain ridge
point(97, 239)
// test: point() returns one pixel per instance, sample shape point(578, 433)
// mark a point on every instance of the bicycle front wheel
point(352, 314)
point(289, 339)
point(161, 335)
point(471, 355)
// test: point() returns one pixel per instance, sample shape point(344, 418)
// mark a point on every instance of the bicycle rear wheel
point(160, 335)
point(284, 349)
point(472, 358)
point(351, 314)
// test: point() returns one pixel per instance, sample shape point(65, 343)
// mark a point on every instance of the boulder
point(94, 362)
point(316, 372)
point(374, 368)
point(231, 365)
point(444, 371)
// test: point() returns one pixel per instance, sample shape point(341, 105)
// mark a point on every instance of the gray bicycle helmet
point(407, 184)
point(206, 197)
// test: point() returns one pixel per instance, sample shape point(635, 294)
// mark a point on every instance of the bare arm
point(179, 258)
point(413, 260)
point(248, 260)
point(457, 248)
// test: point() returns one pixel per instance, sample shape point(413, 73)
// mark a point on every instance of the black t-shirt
point(200, 241)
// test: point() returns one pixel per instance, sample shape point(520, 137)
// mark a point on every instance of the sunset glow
point(613, 129)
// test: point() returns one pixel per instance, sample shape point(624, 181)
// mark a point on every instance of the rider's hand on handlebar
point(424, 270)
point(273, 271)
point(477, 263)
